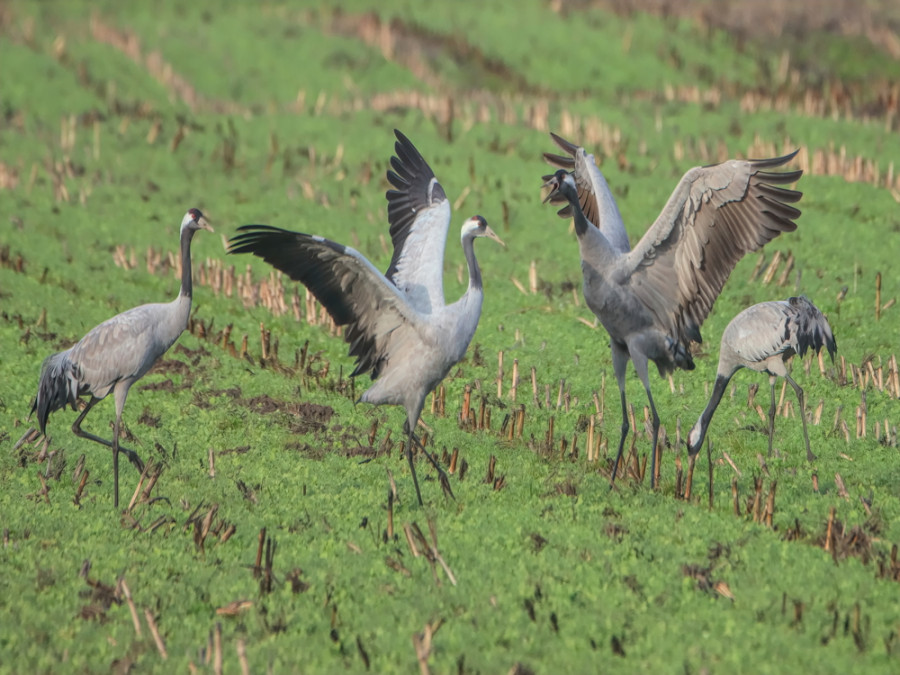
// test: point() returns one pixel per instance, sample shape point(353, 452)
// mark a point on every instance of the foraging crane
point(652, 300)
point(763, 338)
point(398, 327)
point(116, 354)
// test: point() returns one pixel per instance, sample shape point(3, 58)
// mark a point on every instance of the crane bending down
point(652, 300)
point(398, 327)
point(116, 354)
point(763, 338)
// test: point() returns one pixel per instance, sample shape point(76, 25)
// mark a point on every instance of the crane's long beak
point(204, 224)
point(488, 232)
point(553, 184)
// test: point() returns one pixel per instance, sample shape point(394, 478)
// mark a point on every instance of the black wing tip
point(405, 146)
point(778, 194)
point(402, 138)
point(559, 161)
point(398, 182)
point(780, 177)
point(407, 164)
point(767, 162)
point(259, 227)
point(565, 145)
point(252, 234)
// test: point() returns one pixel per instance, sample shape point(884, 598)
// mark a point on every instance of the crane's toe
point(133, 458)
point(445, 484)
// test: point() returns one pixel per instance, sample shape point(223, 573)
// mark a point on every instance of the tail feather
point(57, 388)
point(679, 357)
point(813, 330)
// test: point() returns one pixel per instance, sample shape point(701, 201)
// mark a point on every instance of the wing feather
point(714, 217)
point(351, 289)
point(419, 214)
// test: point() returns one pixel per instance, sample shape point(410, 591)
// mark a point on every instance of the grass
point(285, 116)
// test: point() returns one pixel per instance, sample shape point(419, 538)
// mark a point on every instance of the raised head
point(477, 226)
point(194, 220)
point(559, 183)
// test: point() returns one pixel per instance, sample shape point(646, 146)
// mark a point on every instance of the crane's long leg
point(620, 361)
point(442, 475)
point(797, 388)
point(407, 427)
point(115, 452)
point(121, 393)
point(81, 433)
point(640, 365)
point(114, 444)
point(771, 411)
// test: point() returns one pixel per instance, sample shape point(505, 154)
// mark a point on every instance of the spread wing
point(350, 288)
point(419, 214)
point(596, 199)
point(715, 215)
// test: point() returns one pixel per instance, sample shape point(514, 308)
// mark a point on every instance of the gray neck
point(706, 415)
point(187, 287)
point(468, 244)
point(581, 223)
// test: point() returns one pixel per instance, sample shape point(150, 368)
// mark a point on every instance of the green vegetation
point(116, 118)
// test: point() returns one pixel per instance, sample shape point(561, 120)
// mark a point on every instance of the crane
point(763, 338)
point(398, 327)
point(116, 354)
point(653, 299)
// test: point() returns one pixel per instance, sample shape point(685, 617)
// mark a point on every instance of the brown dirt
point(877, 21)
point(312, 416)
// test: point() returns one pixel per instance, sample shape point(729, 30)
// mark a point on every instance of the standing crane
point(763, 338)
point(116, 354)
point(652, 300)
point(398, 327)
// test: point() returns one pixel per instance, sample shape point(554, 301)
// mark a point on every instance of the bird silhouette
point(116, 354)
point(763, 338)
point(398, 327)
point(653, 299)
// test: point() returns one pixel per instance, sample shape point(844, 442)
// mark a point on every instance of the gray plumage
point(653, 299)
point(116, 354)
point(762, 338)
point(397, 325)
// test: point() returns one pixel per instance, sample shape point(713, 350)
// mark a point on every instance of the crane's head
point(194, 220)
point(695, 439)
point(477, 226)
point(559, 183)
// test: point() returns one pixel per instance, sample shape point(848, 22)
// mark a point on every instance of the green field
point(268, 541)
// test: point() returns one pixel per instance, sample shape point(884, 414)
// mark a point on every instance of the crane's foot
point(445, 485)
point(442, 475)
point(133, 458)
point(612, 476)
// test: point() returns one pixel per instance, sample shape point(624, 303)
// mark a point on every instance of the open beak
point(488, 232)
point(553, 184)
point(204, 224)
